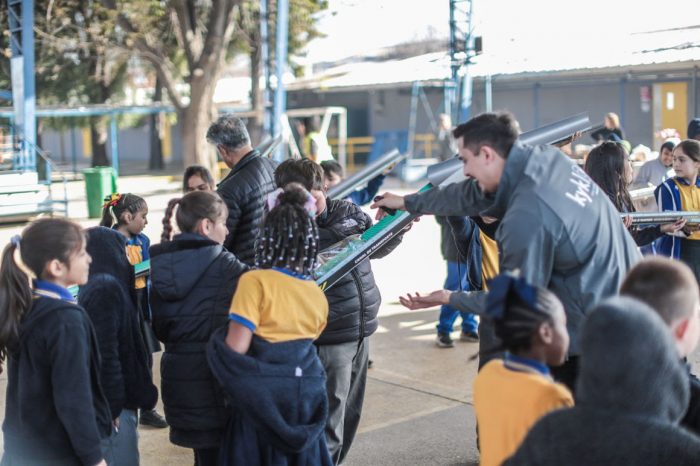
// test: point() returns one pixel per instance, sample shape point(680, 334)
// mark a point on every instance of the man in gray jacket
point(557, 227)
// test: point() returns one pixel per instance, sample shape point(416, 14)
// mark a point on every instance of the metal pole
point(114, 144)
point(74, 149)
point(281, 64)
point(29, 83)
point(412, 118)
point(489, 95)
point(265, 63)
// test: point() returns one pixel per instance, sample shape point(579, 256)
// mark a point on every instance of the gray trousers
point(346, 372)
point(123, 445)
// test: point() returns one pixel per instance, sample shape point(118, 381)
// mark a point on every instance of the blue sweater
point(278, 395)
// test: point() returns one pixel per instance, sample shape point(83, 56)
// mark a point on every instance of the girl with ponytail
point(193, 279)
point(266, 361)
point(512, 393)
point(55, 411)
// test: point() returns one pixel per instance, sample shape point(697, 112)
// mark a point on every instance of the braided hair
point(517, 310)
point(115, 205)
point(193, 207)
point(288, 236)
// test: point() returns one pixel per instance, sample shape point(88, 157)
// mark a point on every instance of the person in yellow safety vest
point(315, 144)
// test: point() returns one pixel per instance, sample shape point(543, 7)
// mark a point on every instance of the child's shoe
point(444, 340)
point(471, 336)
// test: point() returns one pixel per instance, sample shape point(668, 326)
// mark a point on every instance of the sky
point(508, 27)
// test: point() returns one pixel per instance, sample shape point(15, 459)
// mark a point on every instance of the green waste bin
point(99, 183)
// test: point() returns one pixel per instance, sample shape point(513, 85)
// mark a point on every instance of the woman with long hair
point(609, 166)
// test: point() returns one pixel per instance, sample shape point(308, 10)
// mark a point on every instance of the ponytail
point(41, 242)
point(15, 299)
point(167, 225)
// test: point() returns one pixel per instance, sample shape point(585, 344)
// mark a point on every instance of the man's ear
point(489, 153)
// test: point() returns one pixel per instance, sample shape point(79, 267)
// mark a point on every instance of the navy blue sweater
point(55, 411)
point(110, 301)
point(278, 395)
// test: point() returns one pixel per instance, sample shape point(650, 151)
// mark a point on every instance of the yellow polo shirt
point(508, 403)
point(690, 201)
point(279, 306)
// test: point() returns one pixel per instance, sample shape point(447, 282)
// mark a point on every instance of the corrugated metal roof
point(637, 50)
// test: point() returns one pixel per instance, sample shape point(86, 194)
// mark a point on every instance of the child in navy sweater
point(55, 410)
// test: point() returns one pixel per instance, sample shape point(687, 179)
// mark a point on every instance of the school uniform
point(277, 391)
point(510, 395)
point(676, 194)
point(55, 410)
point(110, 301)
point(632, 392)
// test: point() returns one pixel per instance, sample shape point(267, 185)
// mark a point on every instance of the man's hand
point(389, 201)
point(436, 298)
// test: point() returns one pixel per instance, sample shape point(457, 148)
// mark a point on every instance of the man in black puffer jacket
point(124, 370)
point(192, 283)
point(245, 188)
point(353, 304)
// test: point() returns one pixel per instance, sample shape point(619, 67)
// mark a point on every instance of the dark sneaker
point(470, 336)
point(370, 363)
point(153, 419)
point(444, 340)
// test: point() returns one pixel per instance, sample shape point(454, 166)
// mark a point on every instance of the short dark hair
point(497, 130)
point(228, 131)
point(670, 145)
point(330, 167)
point(667, 286)
point(306, 172)
point(200, 171)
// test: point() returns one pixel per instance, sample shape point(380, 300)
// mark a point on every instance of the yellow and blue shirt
point(676, 194)
point(510, 395)
point(137, 252)
point(278, 305)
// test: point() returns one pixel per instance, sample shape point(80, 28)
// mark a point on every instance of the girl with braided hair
point(193, 279)
point(127, 213)
point(266, 361)
point(512, 393)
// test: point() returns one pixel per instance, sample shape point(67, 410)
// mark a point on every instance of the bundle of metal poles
point(660, 218)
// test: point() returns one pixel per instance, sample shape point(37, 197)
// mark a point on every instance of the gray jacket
point(557, 227)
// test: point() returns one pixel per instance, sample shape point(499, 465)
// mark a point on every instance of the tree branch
point(188, 36)
point(219, 31)
point(162, 64)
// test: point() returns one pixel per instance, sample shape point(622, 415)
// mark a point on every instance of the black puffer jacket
point(192, 282)
point(110, 302)
point(354, 300)
point(244, 190)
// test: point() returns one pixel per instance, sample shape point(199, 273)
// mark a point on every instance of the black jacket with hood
point(192, 282)
point(244, 191)
point(110, 302)
point(353, 302)
point(632, 393)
